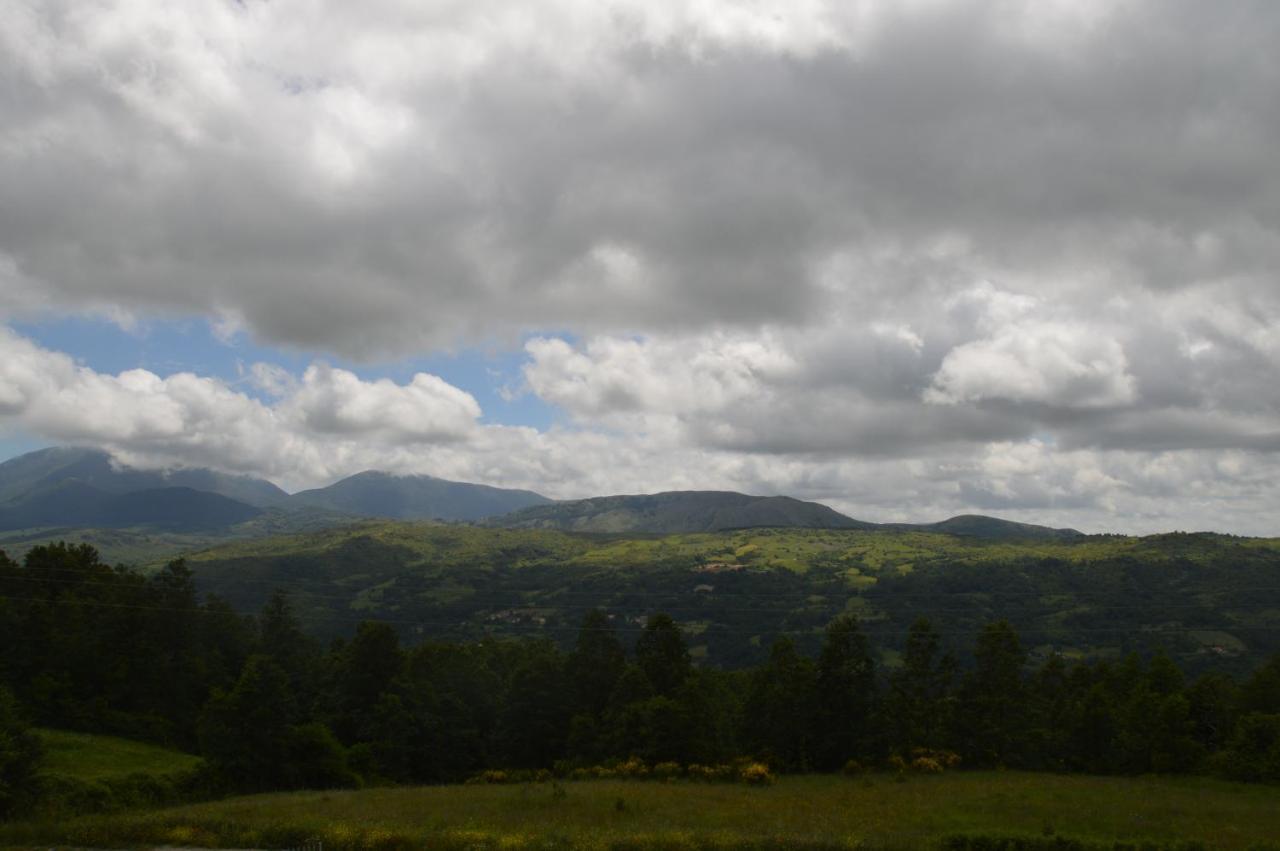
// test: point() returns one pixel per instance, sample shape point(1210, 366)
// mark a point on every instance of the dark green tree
point(663, 655)
point(365, 670)
point(919, 706)
point(596, 664)
point(1253, 754)
point(1050, 698)
point(247, 737)
point(994, 701)
point(846, 694)
point(1261, 692)
point(534, 724)
point(281, 638)
point(781, 709)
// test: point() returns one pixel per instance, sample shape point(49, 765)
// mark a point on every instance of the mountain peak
point(376, 493)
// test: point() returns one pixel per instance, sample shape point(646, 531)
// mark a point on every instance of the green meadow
point(876, 811)
point(89, 757)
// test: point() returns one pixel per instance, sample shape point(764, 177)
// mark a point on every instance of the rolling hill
point(680, 512)
point(377, 494)
point(989, 528)
point(676, 512)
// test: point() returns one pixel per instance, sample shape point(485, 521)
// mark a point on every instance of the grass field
point(797, 812)
point(83, 756)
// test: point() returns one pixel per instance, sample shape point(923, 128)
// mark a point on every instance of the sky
point(910, 259)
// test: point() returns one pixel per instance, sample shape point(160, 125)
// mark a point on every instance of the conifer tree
point(846, 694)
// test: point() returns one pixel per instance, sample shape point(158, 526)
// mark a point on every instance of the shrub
point(755, 774)
point(667, 771)
point(633, 767)
point(490, 776)
point(20, 756)
point(713, 773)
point(1253, 754)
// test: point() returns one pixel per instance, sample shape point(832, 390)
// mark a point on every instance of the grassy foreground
point(797, 812)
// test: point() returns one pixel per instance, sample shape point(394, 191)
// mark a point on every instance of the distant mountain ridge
point(378, 494)
point(676, 512)
point(75, 504)
point(30, 473)
point(66, 487)
point(74, 487)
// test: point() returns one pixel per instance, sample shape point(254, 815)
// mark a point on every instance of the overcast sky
point(909, 259)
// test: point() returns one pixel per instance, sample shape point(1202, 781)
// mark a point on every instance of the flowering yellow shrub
point(667, 770)
point(755, 774)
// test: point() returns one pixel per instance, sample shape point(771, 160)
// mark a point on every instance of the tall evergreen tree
point(995, 698)
point(366, 669)
point(919, 706)
point(781, 710)
point(596, 663)
point(535, 720)
point(247, 737)
point(846, 694)
point(663, 655)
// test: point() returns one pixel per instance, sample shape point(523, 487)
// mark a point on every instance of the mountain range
point(66, 488)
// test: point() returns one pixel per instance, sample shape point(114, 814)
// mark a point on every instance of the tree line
point(89, 647)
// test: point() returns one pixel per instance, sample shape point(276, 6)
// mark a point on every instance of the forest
point(89, 647)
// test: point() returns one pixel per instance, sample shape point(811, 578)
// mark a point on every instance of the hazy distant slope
point(46, 468)
point(76, 504)
point(991, 528)
point(376, 494)
point(678, 511)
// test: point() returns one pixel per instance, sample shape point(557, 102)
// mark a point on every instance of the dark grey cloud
point(332, 187)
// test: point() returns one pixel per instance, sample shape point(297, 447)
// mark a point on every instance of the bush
point(667, 771)
point(491, 776)
point(1253, 754)
point(20, 756)
point(755, 774)
point(713, 773)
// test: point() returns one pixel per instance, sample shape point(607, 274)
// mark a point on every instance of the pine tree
point(663, 655)
point(846, 694)
point(995, 699)
point(918, 708)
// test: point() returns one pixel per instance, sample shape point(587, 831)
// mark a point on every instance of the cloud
point(427, 409)
point(908, 257)
point(310, 431)
point(629, 167)
point(330, 423)
point(1050, 363)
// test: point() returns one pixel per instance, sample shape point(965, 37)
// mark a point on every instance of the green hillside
point(89, 757)
point(1212, 600)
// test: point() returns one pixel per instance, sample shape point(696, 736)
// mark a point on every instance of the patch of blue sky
point(167, 346)
point(13, 444)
